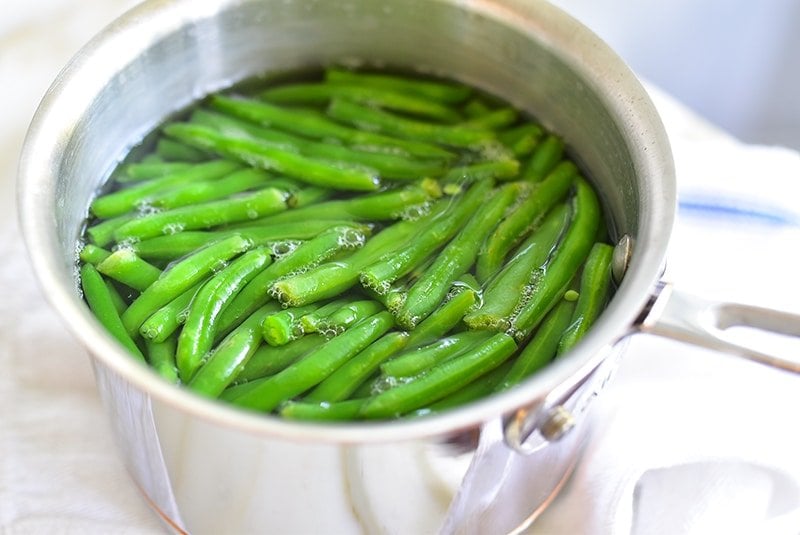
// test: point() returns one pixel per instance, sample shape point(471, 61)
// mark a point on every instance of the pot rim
point(130, 34)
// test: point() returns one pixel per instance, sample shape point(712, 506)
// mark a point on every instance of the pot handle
point(688, 318)
point(673, 314)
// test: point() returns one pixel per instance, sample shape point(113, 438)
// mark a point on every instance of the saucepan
point(486, 467)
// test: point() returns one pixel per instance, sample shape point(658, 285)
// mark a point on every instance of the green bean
point(504, 291)
point(273, 157)
point(304, 257)
point(516, 225)
point(438, 91)
point(311, 195)
point(320, 127)
point(161, 357)
point(237, 390)
point(125, 266)
point(443, 319)
point(565, 262)
point(280, 328)
point(310, 322)
point(102, 233)
point(492, 120)
point(395, 125)
point(101, 304)
point(333, 278)
point(197, 335)
point(204, 215)
point(316, 366)
point(476, 107)
point(125, 200)
point(166, 320)
point(92, 254)
point(595, 283)
point(177, 245)
point(228, 359)
point(477, 389)
point(172, 150)
point(135, 172)
point(321, 93)
point(383, 206)
point(546, 156)
point(456, 258)
point(269, 360)
point(388, 165)
point(504, 169)
point(380, 275)
point(347, 315)
point(521, 140)
point(420, 359)
point(209, 190)
point(323, 411)
point(440, 381)
point(542, 347)
point(179, 278)
point(116, 299)
point(344, 381)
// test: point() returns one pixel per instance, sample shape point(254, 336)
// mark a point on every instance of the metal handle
point(702, 322)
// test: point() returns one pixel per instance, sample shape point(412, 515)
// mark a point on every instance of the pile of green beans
point(357, 245)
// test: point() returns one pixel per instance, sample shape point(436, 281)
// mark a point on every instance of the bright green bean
point(124, 200)
point(102, 233)
point(546, 156)
point(280, 328)
point(443, 319)
point(440, 381)
point(197, 335)
point(347, 315)
point(166, 320)
point(174, 151)
point(333, 278)
point(565, 262)
point(323, 411)
point(420, 359)
point(517, 224)
point(204, 215)
point(321, 93)
point(395, 125)
point(101, 304)
point(304, 257)
point(510, 285)
point(125, 266)
point(209, 190)
point(136, 172)
point(595, 283)
point(380, 275)
point(179, 278)
point(310, 322)
point(161, 357)
point(318, 126)
point(493, 120)
point(315, 367)
point(340, 384)
point(542, 347)
point(273, 157)
point(500, 170)
point(269, 360)
point(456, 258)
point(92, 254)
point(435, 90)
point(388, 165)
point(477, 389)
point(229, 358)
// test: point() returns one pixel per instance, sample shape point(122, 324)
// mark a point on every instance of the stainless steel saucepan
point(208, 468)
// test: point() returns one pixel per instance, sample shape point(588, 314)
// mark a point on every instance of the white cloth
point(687, 441)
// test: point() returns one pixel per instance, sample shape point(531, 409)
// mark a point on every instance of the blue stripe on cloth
point(737, 213)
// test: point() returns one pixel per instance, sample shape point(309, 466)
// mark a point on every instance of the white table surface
point(669, 406)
